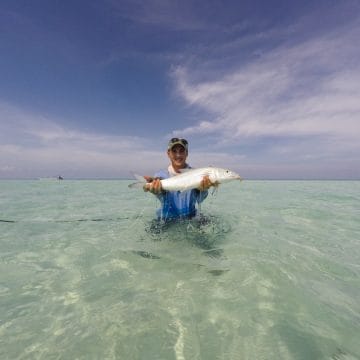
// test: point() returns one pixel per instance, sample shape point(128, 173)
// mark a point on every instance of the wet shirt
point(178, 204)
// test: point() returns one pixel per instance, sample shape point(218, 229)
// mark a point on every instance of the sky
point(95, 89)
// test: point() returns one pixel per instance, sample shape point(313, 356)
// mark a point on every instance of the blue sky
point(94, 89)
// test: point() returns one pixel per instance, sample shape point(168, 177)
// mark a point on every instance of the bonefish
point(191, 178)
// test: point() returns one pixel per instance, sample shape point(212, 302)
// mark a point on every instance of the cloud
point(173, 15)
point(32, 145)
point(264, 97)
point(308, 89)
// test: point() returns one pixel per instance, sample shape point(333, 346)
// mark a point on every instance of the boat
point(59, 177)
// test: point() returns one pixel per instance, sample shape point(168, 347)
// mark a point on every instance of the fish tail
point(137, 185)
point(141, 181)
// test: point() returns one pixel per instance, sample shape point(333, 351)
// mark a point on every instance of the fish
point(191, 178)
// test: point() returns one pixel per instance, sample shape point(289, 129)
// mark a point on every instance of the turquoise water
point(270, 271)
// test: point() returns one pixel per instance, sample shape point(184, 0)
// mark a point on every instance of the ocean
point(269, 270)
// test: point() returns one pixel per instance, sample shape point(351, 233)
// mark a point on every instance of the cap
point(177, 141)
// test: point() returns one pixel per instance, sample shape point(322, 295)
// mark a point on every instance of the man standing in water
point(176, 204)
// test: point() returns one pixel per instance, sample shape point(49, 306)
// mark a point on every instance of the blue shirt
point(178, 204)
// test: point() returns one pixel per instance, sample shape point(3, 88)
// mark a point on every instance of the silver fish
point(191, 178)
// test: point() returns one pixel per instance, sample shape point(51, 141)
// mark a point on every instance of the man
point(176, 204)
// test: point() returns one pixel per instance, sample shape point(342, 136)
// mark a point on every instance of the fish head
point(224, 175)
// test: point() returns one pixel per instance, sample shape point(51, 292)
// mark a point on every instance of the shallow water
point(271, 270)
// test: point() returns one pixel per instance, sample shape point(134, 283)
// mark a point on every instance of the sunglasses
point(174, 140)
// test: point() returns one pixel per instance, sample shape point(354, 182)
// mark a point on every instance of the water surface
point(271, 270)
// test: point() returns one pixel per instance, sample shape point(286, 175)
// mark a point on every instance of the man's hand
point(152, 185)
point(206, 183)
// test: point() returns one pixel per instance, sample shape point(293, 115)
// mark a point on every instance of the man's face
point(177, 155)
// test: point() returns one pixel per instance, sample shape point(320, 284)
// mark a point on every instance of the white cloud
point(173, 15)
point(295, 107)
point(34, 146)
point(309, 89)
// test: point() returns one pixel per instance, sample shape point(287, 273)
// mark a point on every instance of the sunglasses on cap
point(175, 141)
